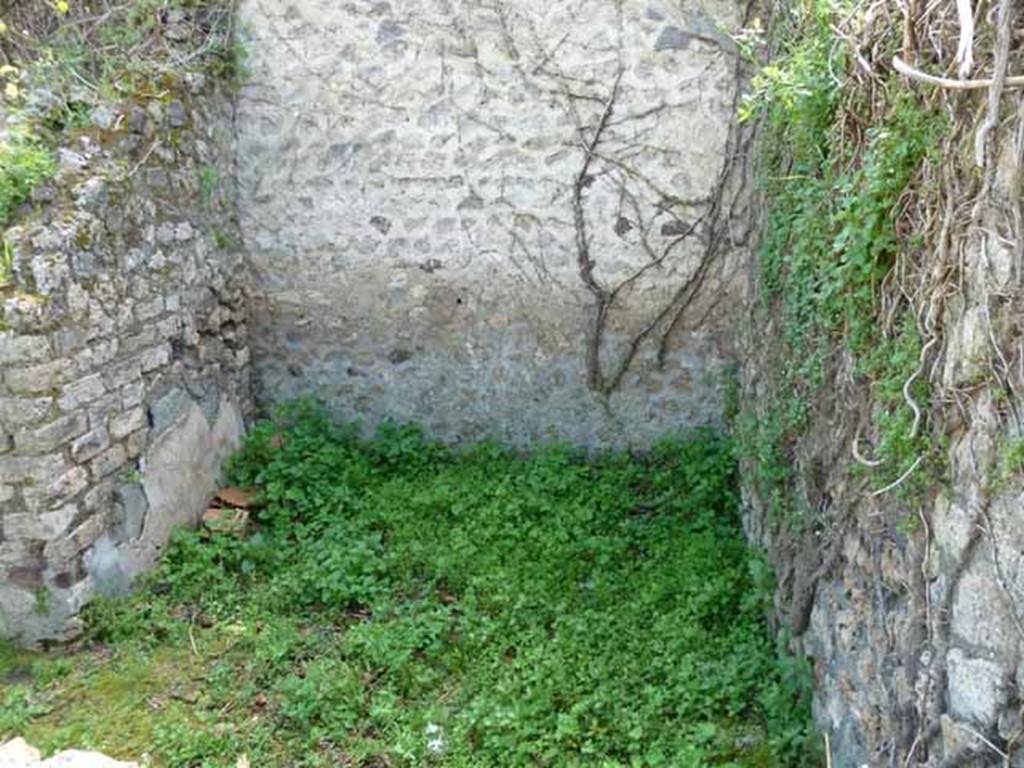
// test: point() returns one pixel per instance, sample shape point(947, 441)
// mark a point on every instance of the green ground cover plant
point(400, 604)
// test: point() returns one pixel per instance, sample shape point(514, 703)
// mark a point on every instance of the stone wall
point(123, 354)
point(494, 219)
point(516, 220)
point(912, 610)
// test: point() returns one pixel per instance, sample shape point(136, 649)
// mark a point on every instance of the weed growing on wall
point(833, 196)
point(402, 604)
point(94, 51)
point(24, 163)
point(68, 70)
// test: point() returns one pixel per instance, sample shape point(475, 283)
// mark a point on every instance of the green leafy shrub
point(24, 164)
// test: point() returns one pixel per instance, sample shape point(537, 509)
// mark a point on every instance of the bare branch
point(965, 47)
point(584, 260)
point(1015, 81)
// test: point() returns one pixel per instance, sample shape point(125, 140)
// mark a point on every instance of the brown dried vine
point(712, 226)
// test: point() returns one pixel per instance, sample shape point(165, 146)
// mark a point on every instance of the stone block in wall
point(50, 437)
point(135, 444)
point(23, 611)
point(91, 195)
point(49, 272)
point(979, 618)
point(16, 552)
point(130, 508)
point(68, 340)
point(99, 498)
point(978, 689)
point(57, 488)
point(139, 341)
point(38, 378)
point(122, 372)
point(42, 526)
point(132, 395)
point(102, 408)
point(108, 462)
point(63, 548)
point(31, 469)
point(97, 354)
point(81, 392)
point(101, 325)
point(90, 445)
point(169, 328)
point(124, 424)
point(147, 311)
point(166, 410)
point(155, 358)
point(18, 602)
point(22, 412)
point(22, 350)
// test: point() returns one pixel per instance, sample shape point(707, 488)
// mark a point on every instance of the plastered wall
point(474, 215)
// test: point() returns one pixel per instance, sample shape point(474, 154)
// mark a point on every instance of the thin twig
point(910, 381)
point(899, 479)
point(982, 739)
point(1014, 81)
point(861, 459)
point(192, 640)
point(145, 157)
point(584, 260)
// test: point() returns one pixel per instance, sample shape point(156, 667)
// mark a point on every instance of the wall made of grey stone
point(912, 609)
point(123, 355)
point(407, 185)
